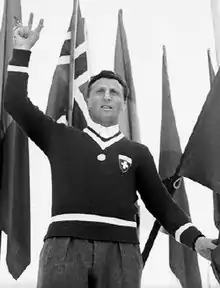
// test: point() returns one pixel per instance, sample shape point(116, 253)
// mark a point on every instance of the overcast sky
point(185, 27)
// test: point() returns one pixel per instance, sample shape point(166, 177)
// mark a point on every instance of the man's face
point(105, 101)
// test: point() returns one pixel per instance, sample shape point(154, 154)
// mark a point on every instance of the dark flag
point(216, 196)
point(129, 123)
point(14, 181)
point(183, 261)
point(58, 101)
point(200, 161)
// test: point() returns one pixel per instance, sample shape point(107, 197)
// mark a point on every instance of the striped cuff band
point(181, 230)
point(13, 68)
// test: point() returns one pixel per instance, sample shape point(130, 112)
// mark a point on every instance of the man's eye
point(114, 93)
point(101, 90)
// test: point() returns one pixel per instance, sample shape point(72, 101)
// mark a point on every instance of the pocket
point(46, 251)
point(54, 250)
point(131, 254)
point(132, 263)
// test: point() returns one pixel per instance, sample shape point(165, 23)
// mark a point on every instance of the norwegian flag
point(58, 100)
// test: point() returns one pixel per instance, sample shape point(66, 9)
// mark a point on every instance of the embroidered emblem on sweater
point(124, 163)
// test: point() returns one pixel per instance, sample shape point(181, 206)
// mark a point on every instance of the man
point(92, 239)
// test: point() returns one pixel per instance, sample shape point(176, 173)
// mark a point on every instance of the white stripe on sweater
point(93, 218)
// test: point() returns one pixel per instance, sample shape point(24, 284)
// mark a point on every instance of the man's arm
point(35, 123)
point(159, 202)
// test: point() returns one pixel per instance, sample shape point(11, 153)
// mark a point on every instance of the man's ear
point(87, 95)
point(87, 101)
point(124, 105)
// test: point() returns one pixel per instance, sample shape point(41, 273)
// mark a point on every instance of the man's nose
point(107, 95)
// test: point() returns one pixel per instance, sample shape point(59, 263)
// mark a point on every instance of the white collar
point(105, 132)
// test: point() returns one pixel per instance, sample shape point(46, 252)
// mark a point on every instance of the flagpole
point(72, 60)
point(156, 227)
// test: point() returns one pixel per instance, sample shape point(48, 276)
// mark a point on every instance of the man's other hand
point(204, 247)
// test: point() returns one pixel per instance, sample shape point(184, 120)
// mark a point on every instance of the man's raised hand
point(24, 37)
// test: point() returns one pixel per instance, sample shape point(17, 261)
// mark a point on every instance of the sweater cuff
point(20, 58)
point(189, 236)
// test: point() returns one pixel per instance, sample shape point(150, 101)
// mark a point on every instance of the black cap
point(109, 75)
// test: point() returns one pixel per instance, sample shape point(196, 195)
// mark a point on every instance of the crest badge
point(124, 162)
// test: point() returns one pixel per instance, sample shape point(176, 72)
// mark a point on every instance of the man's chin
point(105, 119)
point(108, 120)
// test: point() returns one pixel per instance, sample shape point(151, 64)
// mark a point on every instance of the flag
point(58, 100)
point(14, 172)
point(200, 161)
point(183, 261)
point(216, 196)
point(129, 123)
point(215, 8)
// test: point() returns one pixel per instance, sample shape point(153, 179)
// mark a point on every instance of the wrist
point(189, 236)
point(197, 241)
point(20, 57)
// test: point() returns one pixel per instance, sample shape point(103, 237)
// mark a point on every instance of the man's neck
point(103, 131)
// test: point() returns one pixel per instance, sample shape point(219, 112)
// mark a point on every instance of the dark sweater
point(98, 192)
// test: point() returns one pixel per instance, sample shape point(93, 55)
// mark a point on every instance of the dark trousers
point(76, 263)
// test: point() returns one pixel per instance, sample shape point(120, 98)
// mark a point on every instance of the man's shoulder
point(138, 146)
point(63, 128)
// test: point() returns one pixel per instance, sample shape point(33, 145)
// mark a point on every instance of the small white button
point(101, 157)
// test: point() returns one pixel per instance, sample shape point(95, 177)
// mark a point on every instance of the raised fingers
point(30, 21)
point(39, 26)
point(17, 23)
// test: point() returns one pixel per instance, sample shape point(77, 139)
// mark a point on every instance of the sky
point(186, 29)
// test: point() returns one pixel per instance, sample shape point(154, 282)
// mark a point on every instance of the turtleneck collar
point(104, 132)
